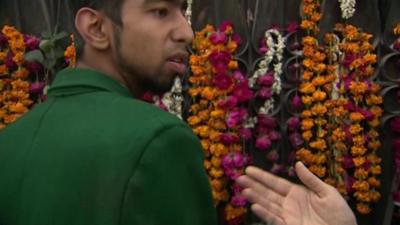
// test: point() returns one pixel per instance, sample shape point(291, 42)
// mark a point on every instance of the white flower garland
point(188, 12)
point(173, 100)
point(348, 8)
point(274, 53)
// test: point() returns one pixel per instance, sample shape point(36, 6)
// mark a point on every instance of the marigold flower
point(11, 118)
point(233, 65)
point(360, 173)
point(307, 135)
point(3, 69)
point(319, 96)
point(374, 159)
point(358, 150)
point(307, 75)
point(307, 100)
point(217, 184)
point(207, 164)
point(231, 213)
point(363, 208)
point(194, 120)
point(376, 170)
point(374, 100)
point(361, 185)
point(319, 109)
point(205, 143)
point(320, 171)
point(307, 124)
point(319, 144)
point(340, 146)
point(307, 25)
point(374, 182)
point(356, 117)
point(310, 40)
point(355, 129)
point(307, 88)
point(216, 172)
point(363, 196)
point(374, 123)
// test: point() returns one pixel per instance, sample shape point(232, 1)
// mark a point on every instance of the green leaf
point(46, 45)
point(49, 63)
point(60, 36)
point(35, 55)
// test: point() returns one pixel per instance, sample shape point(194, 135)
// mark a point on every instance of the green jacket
point(93, 155)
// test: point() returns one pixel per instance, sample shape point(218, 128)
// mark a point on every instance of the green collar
point(78, 81)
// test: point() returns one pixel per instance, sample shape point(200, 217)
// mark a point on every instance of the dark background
point(251, 18)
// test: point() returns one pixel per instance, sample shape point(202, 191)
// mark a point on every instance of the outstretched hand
point(279, 201)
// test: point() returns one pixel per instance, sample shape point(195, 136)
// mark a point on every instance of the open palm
point(284, 203)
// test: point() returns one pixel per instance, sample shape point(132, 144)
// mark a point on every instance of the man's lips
point(177, 62)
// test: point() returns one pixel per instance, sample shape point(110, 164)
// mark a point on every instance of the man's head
point(141, 43)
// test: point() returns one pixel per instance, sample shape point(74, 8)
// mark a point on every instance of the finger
point(259, 191)
point(266, 215)
point(271, 181)
point(311, 181)
point(254, 197)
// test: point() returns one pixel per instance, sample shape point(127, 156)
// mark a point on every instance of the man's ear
point(92, 26)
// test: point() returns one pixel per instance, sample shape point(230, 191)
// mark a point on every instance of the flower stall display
point(218, 114)
point(342, 109)
point(27, 64)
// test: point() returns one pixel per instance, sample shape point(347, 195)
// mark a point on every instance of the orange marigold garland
point(342, 110)
point(396, 32)
point(364, 113)
point(24, 70)
point(14, 85)
point(316, 84)
point(218, 114)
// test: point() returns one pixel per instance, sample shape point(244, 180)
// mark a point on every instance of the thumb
point(311, 181)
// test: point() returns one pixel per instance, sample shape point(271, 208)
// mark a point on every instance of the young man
point(92, 154)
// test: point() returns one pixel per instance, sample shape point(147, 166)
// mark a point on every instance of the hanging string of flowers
point(218, 114)
point(364, 115)
point(14, 85)
point(315, 85)
point(336, 111)
point(266, 82)
point(348, 8)
point(396, 43)
point(188, 12)
point(26, 66)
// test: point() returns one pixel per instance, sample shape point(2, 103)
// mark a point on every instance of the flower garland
point(336, 111)
point(14, 85)
point(173, 100)
point(315, 87)
point(70, 53)
point(23, 76)
point(188, 12)
point(364, 115)
point(348, 8)
point(269, 82)
point(218, 114)
point(396, 43)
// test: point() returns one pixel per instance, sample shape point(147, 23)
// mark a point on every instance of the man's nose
point(183, 31)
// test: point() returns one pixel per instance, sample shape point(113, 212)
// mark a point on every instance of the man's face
point(150, 47)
